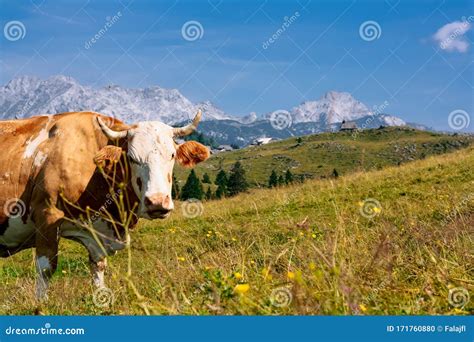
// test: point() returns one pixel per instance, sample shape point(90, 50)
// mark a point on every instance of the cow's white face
point(151, 153)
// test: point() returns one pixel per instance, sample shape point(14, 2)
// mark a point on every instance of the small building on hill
point(224, 148)
point(261, 141)
point(348, 126)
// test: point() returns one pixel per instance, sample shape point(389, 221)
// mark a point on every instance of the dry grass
point(310, 239)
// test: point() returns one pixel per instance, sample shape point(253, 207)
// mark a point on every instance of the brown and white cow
point(49, 169)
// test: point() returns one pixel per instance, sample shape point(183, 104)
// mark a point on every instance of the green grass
point(317, 155)
point(308, 240)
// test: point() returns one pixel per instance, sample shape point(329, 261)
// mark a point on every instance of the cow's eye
point(133, 161)
point(172, 156)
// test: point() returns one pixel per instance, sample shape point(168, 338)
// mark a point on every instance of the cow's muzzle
point(158, 206)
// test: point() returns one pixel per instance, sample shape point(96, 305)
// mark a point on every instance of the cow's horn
point(110, 133)
point(188, 129)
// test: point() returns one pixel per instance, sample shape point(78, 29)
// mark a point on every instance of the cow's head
point(151, 153)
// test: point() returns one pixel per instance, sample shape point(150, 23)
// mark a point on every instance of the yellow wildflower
point(362, 307)
point(180, 258)
point(290, 275)
point(237, 275)
point(241, 289)
point(377, 210)
point(266, 273)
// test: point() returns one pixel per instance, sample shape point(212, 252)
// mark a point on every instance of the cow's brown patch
point(31, 125)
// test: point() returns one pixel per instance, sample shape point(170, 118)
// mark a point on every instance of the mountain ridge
point(25, 96)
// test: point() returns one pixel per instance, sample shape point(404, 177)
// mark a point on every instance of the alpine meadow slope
point(316, 156)
point(314, 248)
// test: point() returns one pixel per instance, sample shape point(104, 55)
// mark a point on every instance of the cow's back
point(42, 155)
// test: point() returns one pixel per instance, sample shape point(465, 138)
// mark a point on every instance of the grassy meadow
point(391, 241)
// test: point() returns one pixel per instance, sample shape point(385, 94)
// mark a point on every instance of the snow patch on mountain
point(333, 107)
point(26, 96)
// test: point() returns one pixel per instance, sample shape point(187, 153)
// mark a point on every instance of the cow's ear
point(191, 153)
point(107, 156)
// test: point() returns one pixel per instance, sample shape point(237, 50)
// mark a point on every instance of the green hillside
point(393, 241)
point(316, 156)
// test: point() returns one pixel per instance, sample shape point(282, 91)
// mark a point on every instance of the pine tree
point(288, 177)
point(222, 180)
point(208, 193)
point(206, 179)
point(237, 182)
point(175, 188)
point(281, 180)
point(192, 188)
point(220, 192)
point(273, 180)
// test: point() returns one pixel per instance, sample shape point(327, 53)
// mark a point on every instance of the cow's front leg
point(47, 242)
point(97, 271)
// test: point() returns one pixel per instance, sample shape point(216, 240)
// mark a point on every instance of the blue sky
point(321, 49)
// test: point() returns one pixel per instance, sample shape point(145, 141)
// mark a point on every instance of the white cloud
point(450, 37)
